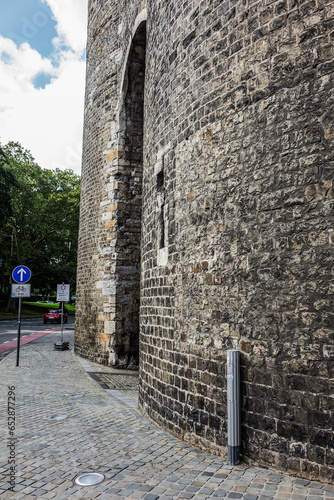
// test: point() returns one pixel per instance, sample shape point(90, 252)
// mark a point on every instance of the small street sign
point(21, 274)
point(63, 293)
point(20, 291)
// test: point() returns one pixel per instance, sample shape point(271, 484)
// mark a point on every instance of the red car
point(54, 316)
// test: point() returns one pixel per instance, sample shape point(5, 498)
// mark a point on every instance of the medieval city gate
point(230, 185)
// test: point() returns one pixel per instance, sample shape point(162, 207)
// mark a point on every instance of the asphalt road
point(9, 328)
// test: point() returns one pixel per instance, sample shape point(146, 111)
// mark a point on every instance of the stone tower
point(207, 217)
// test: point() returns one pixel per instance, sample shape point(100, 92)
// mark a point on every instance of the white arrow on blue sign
point(21, 274)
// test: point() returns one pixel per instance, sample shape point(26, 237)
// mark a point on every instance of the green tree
point(41, 231)
point(7, 180)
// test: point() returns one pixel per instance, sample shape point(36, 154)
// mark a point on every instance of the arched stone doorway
point(128, 182)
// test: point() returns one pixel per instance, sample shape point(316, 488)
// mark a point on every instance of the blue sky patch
point(6, 58)
point(28, 21)
point(41, 80)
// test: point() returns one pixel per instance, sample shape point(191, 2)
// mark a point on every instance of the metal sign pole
point(63, 294)
point(62, 315)
point(21, 274)
point(18, 334)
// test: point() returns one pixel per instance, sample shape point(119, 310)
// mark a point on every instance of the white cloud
point(47, 121)
point(19, 66)
point(71, 18)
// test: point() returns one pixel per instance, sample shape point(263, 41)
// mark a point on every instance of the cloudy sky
point(42, 78)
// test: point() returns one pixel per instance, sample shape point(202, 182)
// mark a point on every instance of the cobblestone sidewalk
point(67, 424)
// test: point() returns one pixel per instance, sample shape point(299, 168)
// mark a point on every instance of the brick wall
point(233, 172)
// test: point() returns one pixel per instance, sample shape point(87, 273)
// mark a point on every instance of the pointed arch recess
point(130, 172)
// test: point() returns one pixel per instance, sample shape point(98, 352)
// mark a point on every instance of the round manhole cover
point(89, 479)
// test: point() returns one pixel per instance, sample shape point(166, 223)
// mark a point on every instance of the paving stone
point(28, 490)
point(201, 497)
point(206, 491)
point(101, 434)
point(39, 493)
point(192, 489)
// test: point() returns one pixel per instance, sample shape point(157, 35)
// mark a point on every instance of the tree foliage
point(7, 180)
point(40, 227)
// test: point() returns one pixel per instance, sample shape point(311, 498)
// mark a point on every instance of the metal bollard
point(233, 407)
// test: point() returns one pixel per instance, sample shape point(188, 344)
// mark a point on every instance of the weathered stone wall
point(96, 304)
point(235, 176)
point(110, 226)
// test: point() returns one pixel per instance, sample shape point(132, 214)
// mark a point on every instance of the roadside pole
point(63, 294)
point(18, 334)
point(62, 319)
point(21, 274)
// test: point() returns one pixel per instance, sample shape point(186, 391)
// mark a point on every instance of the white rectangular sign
point(63, 293)
point(20, 290)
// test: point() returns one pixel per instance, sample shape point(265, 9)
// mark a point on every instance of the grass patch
point(35, 308)
point(44, 306)
point(41, 305)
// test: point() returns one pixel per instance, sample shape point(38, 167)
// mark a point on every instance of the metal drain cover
point(89, 479)
point(119, 381)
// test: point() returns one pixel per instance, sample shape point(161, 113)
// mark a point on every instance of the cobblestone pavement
point(67, 424)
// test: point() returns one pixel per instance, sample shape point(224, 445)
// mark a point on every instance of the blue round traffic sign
point(21, 274)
